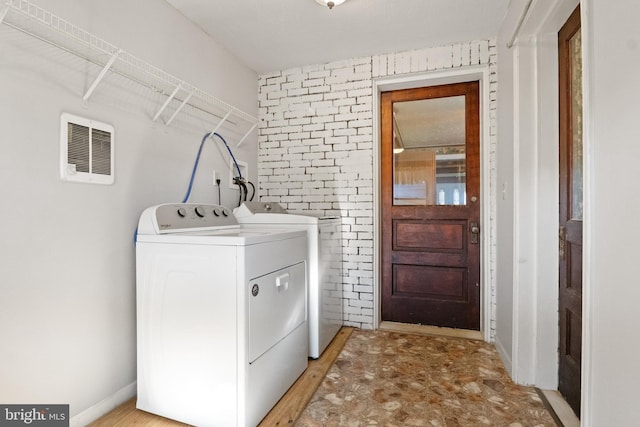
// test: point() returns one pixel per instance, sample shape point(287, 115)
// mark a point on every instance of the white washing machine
point(325, 265)
point(221, 315)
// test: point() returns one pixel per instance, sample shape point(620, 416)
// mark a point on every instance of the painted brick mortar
point(316, 149)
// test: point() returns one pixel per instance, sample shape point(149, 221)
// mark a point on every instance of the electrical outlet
point(233, 172)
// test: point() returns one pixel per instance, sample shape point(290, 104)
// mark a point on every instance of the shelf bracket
point(224, 119)
point(173, 95)
point(102, 74)
point(4, 13)
point(247, 134)
point(175, 113)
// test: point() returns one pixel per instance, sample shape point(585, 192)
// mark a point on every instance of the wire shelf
point(44, 25)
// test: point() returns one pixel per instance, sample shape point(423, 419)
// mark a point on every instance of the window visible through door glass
point(429, 162)
point(576, 124)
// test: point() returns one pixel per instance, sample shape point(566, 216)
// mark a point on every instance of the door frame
point(535, 353)
point(534, 97)
point(487, 234)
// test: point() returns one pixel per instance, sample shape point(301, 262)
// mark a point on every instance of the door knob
point(475, 231)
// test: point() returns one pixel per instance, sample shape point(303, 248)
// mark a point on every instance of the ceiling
point(436, 122)
point(271, 35)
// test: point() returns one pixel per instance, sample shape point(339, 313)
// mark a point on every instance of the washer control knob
point(216, 212)
point(224, 212)
point(200, 211)
point(182, 212)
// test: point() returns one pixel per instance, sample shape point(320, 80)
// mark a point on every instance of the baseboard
point(560, 409)
point(506, 358)
point(104, 406)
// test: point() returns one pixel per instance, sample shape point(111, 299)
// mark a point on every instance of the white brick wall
point(316, 147)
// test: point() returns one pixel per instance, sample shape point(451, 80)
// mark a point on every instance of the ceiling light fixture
point(330, 3)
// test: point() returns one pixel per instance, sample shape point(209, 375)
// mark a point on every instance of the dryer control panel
point(180, 217)
point(252, 208)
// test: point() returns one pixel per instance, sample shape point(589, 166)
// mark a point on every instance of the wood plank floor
point(285, 413)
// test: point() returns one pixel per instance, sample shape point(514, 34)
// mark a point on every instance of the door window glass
point(429, 160)
point(576, 124)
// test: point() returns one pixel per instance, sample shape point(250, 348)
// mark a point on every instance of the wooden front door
point(430, 178)
point(570, 234)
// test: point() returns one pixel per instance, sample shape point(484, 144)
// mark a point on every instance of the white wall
point(318, 146)
point(610, 370)
point(67, 311)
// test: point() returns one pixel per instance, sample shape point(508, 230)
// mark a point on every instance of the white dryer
point(325, 265)
point(221, 315)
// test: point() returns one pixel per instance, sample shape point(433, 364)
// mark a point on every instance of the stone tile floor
point(384, 378)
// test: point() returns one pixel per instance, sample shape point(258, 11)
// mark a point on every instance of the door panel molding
point(444, 236)
point(443, 281)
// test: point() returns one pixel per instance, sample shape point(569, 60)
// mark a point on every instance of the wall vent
point(86, 150)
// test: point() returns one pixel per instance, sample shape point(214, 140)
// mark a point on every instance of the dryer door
point(277, 306)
